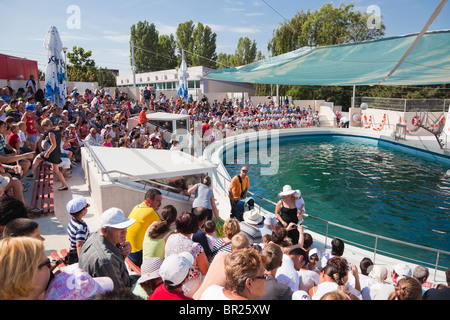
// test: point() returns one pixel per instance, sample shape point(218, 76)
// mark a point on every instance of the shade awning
point(360, 63)
point(148, 163)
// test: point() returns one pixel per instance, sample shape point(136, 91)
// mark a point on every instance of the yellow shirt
point(235, 186)
point(144, 217)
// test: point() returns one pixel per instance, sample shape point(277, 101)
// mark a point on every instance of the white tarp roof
point(149, 163)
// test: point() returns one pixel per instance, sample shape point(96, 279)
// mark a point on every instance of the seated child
point(210, 230)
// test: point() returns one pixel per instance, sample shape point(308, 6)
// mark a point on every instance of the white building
point(167, 81)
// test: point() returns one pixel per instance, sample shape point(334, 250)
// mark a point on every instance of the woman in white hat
point(286, 211)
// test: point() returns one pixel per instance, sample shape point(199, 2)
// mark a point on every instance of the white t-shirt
point(377, 291)
point(214, 292)
point(287, 274)
point(323, 288)
point(22, 138)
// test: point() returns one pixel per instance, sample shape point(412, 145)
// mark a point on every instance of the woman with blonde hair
point(25, 269)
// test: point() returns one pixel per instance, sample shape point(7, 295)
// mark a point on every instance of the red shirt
point(161, 293)
point(13, 139)
point(31, 124)
point(142, 117)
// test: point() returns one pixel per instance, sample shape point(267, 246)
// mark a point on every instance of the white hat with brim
point(115, 218)
point(252, 216)
point(287, 190)
point(76, 205)
point(298, 194)
point(150, 269)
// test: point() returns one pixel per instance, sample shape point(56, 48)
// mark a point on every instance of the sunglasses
point(264, 276)
point(43, 264)
point(245, 171)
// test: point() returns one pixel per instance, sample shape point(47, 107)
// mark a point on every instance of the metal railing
point(375, 249)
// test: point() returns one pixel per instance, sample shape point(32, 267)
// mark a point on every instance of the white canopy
point(148, 163)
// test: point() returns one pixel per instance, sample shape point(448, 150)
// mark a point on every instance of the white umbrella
point(55, 78)
point(182, 79)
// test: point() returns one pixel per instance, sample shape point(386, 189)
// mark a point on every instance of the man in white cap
point(173, 271)
point(104, 252)
point(400, 271)
point(249, 226)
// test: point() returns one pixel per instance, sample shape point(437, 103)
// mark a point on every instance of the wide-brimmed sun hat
point(252, 216)
point(287, 190)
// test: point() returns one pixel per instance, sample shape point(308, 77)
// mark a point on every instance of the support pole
point(133, 68)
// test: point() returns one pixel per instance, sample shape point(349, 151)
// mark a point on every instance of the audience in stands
point(174, 265)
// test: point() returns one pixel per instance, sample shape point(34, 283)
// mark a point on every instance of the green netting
point(362, 63)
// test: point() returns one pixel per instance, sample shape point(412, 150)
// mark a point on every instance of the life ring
point(416, 121)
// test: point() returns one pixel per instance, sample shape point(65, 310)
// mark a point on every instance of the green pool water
point(404, 196)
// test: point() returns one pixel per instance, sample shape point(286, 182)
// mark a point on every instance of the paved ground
point(53, 226)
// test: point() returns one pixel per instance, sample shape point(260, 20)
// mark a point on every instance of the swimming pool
point(373, 186)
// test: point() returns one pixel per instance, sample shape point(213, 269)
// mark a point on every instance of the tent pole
point(353, 99)
point(133, 67)
point(278, 97)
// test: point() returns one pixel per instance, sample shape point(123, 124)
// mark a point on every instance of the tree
point(145, 37)
point(246, 52)
point(80, 58)
point(152, 51)
point(198, 40)
point(184, 40)
point(224, 60)
point(327, 26)
point(204, 46)
point(81, 68)
point(105, 78)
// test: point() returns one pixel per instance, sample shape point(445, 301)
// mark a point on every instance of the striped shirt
point(77, 231)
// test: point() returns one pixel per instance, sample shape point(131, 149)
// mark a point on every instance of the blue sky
point(104, 26)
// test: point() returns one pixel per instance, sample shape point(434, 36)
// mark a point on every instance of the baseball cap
point(175, 267)
point(402, 270)
point(300, 295)
point(114, 217)
point(30, 107)
point(77, 284)
point(76, 205)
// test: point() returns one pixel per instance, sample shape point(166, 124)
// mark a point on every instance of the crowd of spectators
point(182, 256)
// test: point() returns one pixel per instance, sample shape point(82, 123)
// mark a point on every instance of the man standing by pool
point(237, 191)
point(144, 214)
